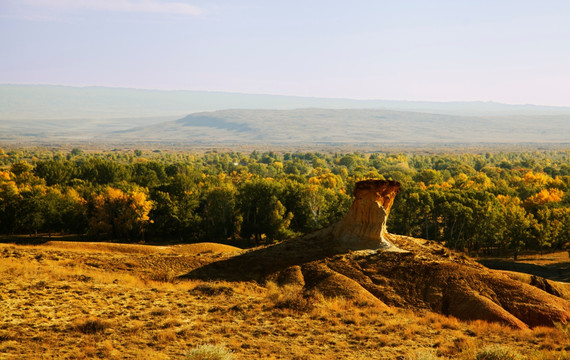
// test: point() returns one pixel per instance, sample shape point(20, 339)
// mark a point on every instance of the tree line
point(483, 202)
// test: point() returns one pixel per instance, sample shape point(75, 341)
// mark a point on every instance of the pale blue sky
point(437, 50)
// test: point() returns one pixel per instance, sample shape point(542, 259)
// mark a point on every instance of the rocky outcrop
point(358, 259)
point(364, 226)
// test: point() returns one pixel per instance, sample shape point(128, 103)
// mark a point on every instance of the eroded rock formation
point(357, 258)
point(364, 226)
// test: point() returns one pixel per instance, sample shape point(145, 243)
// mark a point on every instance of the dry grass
point(209, 352)
point(498, 352)
point(69, 301)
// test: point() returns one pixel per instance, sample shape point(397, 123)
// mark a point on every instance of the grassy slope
point(85, 300)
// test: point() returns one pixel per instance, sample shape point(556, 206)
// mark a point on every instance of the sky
point(515, 52)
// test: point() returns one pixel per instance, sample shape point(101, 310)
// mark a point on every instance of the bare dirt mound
point(358, 258)
point(187, 249)
point(104, 247)
point(204, 247)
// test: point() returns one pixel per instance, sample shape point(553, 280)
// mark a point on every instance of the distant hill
point(43, 113)
point(351, 126)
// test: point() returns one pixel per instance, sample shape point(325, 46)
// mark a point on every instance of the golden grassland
point(65, 300)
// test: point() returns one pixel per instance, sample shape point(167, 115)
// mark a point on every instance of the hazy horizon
point(284, 95)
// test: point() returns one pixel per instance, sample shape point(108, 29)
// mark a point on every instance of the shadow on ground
point(557, 271)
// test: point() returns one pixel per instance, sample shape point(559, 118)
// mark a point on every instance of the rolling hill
point(350, 126)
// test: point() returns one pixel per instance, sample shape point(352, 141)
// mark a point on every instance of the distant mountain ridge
point(33, 102)
point(66, 114)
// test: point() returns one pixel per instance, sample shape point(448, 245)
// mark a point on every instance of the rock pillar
point(364, 226)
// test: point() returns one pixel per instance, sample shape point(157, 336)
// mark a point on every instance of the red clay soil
point(357, 258)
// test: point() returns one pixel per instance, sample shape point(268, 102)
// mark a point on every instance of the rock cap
point(364, 226)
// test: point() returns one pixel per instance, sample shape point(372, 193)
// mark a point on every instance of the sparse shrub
point(107, 349)
point(498, 352)
point(6, 335)
point(209, 352)
point(85, 352)
point(159, 312)
point(421, 354)
point(463, 343)
point(451, 347)
point(165, 337)
point(82, 278)
point(91, 325)
point(563, 328)
point(212, 290)
point(288, 297)
point(166, 276)
point(150, 354)
point(40, 285)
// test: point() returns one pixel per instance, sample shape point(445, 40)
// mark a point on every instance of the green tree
point(220, 213)
point(264, 216)
point(295, 200)
point(20, 168)
point(429, 177)
point(54, 172)
point(10, 199)
point(149, 174)
point(519, 224)
point(103, 171)
point(30, 216)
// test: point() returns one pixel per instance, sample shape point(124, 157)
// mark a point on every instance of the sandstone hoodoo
point(365, 224)
point(357, 258)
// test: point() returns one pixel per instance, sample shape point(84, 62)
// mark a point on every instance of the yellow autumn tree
point(328, 181)
point(545, 196)
point(10, 198)
point(120, 215)
point(536, 179)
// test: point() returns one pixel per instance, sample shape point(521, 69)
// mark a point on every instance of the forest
point(481, 202)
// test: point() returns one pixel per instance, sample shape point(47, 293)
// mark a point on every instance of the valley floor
point(64, 300)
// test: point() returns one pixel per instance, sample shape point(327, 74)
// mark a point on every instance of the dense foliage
point(497, 201)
